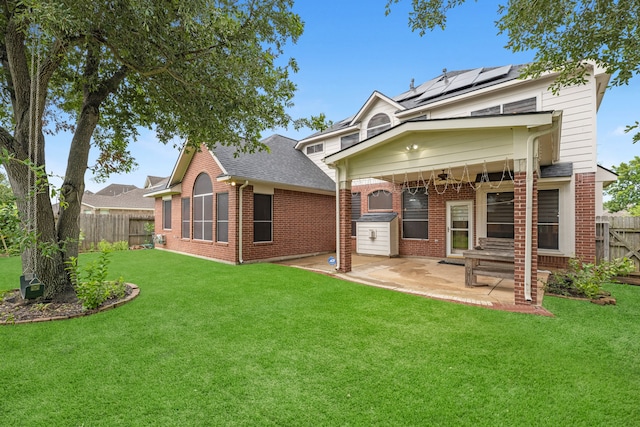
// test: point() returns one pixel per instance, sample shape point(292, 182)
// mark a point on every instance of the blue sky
point(350, 48)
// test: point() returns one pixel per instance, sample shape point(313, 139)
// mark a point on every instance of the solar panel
point(416, 91)
point(492, 74)
point(436, 89)
point(464, 80)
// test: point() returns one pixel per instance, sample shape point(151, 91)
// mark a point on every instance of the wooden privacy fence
point(113, 228)
point(618, 237)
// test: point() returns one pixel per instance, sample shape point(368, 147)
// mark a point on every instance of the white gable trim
point(375, 96)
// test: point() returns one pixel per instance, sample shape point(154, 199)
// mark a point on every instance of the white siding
point(384, 243)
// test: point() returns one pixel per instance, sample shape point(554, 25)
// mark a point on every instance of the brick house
point(254, 207)
point(471, 154)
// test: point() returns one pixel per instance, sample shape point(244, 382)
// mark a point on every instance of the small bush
point(91, 284)
point(586, 279)
point(122, 245)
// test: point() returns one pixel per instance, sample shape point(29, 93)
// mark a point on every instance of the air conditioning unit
point(160, 239)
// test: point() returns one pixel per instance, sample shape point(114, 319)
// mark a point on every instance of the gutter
point(240, 259)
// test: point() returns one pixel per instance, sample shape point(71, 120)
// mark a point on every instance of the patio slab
point(428, 277)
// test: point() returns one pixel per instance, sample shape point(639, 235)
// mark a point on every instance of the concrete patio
point(428, 277)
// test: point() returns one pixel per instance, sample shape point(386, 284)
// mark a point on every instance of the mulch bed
point(13, 309)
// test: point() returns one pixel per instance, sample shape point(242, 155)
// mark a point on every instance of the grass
point(213, 344)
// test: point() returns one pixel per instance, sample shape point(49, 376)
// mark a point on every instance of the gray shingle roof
point(132, 199)
point(282, 165)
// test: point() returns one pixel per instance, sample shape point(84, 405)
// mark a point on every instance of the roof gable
point(370, 103)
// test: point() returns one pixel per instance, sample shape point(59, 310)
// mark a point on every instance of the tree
point(562, 33)
point(625, 192)
point(211, 72)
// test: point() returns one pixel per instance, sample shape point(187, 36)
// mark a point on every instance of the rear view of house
point(470, 154)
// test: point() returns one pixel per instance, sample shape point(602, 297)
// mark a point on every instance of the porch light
point(412, 147)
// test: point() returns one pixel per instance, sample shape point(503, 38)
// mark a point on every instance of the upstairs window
point(529, 105)
point(378, 123)
point(315, 148)
point(349, 140)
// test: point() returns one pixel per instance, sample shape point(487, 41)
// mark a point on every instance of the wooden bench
point(492, 257)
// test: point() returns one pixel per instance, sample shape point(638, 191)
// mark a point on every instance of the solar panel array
point(446, 84)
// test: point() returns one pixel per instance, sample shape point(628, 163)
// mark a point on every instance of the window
point(315, 148)
point(186, 218)
point(380, 200)
point(378, 124)
point(415, 214)
point(528, 105)
point(349, 140)
point(548, 219)
point(203, 208)
point(262, 218)
point(500, 215)
point(355, 211)
point(222, 217)
point(166, 214)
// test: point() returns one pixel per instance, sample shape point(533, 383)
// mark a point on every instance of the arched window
point(203, 208)
point(378, 123)
point(380, 200)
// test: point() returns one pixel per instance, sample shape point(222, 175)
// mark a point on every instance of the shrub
point(586, 279)
point(121, 245)
point(90, 282)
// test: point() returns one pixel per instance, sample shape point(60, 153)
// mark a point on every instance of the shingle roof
point(282, 165)
point(115, 189)
point(132, 199)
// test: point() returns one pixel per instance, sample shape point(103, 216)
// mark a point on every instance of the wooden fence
point(618, 237)
point(113, 228)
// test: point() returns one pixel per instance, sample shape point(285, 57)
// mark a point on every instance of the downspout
point(528, 239)
point(240, 260)
point(337, 217)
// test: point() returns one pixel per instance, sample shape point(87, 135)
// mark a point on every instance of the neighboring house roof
point(115, 189)
point(131, 200)
point(282, 166)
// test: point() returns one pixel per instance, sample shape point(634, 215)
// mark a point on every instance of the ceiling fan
point(443, 176)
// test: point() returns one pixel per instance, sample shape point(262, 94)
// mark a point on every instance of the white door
point(459, 227)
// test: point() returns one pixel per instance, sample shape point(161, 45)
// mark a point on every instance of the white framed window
point(203, 208)
point(262, 217)
point(378, 124)
point(415, 214)
point(315, 148)
point(380, 200)
point(166, 214)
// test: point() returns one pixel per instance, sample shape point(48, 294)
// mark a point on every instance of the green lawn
point(213, 344)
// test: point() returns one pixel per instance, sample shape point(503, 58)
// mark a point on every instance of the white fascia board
point(323, 136)
point(373, 98)
point(454, 124)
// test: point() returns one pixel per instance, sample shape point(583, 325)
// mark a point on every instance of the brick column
point(586, 217)
point(345, 230)
point(519, 224)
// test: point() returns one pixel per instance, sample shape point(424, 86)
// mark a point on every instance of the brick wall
point(435, 245)
point(295, 214)
point(303, 223)
point(586, 217)
point(519, 223)
point(345, 230)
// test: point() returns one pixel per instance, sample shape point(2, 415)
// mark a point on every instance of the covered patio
point(468, 151)
point(428, 277)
